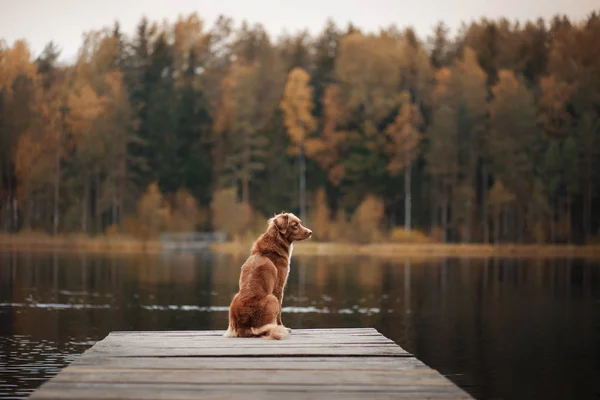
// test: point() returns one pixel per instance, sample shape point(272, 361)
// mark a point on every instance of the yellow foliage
point(367, 219)
point(188, 36)
point(319, 218)
point(369, 67)
point(436, 234)
point(297, 105)
point(185, 212)
point(112, 230)
point(340, 230)
point(441, 90)
point(403, 135)
point(325, 149)
point(153, 212)
point(499, 195)
point(400, 235)
point(132, 226)
point(15, 61)
point(229, 215)
point(27, 162)
point(84, 108)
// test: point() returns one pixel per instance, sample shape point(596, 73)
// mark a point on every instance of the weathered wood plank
point(237, 363)
point(220, 339)
point(311, 364)
point(256, 377)
point(243, 343)
point(330, 351)
point(84, 390)
point(333, 331)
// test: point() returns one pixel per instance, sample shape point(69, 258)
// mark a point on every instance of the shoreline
point(117, 244)
point(428, 250)
point(78, 243)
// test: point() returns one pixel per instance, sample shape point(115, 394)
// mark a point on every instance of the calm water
point(501, 329)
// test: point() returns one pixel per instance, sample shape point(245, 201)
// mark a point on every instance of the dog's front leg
point(279, 294)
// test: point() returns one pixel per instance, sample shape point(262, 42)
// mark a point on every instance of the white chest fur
point(290, 256)
point(289, 261)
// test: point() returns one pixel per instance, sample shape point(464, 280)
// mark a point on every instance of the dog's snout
point(309, 231)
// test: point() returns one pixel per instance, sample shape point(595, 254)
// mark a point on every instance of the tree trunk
point(56, 192)
point(246, 176)
point(504, 221)
point(15, 210)
point(469, 208)
point(587, 202)
point(434, 204)
point(85, 204)
point(12, 199)
point(445, 218)
point(407, 198)
point(520, 226)
point(552, 223)
point(29, 213)
point(302, 182)
point(121, 190)
point(97, 213)
point(568, 216)
point(121, 194)
point(484, 206)
point(497, 215)
point(114, 204)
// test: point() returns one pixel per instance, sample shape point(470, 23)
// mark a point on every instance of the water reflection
point(499, 328)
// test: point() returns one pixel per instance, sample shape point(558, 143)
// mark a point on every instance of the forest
point(491, 135)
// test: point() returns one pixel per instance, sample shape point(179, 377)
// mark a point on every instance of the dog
point(255, 310)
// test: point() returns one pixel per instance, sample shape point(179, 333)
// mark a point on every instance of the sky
point(64, 21)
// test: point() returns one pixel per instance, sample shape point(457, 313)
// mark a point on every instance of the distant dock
point(190, 240)
point(311, 364)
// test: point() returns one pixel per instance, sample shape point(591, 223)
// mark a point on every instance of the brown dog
point(256, 309)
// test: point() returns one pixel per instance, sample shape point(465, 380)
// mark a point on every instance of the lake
point(500, 329)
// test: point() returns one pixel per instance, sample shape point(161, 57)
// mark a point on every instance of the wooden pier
point(310, 364)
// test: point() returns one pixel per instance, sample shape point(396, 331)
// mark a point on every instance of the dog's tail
point(271, 331)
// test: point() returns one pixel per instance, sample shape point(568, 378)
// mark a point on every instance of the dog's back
point(254, 305)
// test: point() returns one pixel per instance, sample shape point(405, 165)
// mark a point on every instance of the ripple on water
point(30, 362)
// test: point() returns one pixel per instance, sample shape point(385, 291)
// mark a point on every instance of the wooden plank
point(244, 343)
point(220, 339)
point(311, 364)
point(330, 351)
point(85, 391)
point(301, 332)
point(237, 363)
point(282, 378)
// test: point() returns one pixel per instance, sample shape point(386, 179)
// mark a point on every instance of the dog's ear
point(281, 222)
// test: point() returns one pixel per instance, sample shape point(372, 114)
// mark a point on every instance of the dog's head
point(290, 227)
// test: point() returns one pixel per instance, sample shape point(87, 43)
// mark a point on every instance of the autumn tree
point(368, 70)
point(404, 137)
point(469, 86)
point(297, 105)
point(512, 142)
point(246, 144)
point(442, 163)
point(153, 212)
point(329, 146)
